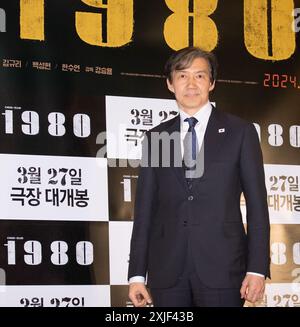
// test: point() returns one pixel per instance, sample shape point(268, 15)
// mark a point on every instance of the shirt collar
point(202, 114)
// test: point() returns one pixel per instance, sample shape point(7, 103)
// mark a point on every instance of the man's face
point(192, 85)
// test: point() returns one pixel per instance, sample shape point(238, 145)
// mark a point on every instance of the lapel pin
point(221, 130)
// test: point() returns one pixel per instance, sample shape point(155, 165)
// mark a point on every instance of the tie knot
point(192, 121)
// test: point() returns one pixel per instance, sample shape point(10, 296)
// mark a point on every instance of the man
point(188, 236)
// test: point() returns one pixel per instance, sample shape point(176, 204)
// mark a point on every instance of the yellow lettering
point(111, 27)
point(190, 24)
point(268, 28)
point(32, 19)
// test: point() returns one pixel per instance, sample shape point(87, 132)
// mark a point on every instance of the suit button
point(190, 198)
point(184, 223)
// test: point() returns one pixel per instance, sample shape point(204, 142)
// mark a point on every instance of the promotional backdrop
point(80, 81)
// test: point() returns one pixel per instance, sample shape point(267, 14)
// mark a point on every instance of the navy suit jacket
point(171, 219)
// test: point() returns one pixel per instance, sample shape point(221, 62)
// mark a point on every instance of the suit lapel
point(213, 139)
point(175, 152)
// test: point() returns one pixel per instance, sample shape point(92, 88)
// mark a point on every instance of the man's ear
point(170, 86)
point(212, 85)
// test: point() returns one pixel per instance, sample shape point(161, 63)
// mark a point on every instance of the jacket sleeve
point(254, 189)
point(144, 208)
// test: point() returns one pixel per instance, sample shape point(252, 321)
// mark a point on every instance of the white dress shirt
point(202, 115)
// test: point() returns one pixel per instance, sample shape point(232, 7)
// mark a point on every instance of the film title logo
point(267, 24)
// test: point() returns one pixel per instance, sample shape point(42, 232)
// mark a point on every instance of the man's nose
point(191, 81)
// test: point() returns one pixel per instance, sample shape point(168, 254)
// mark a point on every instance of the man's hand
point(139, 295)
point(253, 288)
